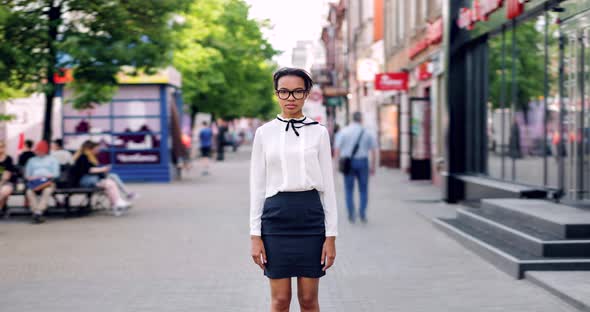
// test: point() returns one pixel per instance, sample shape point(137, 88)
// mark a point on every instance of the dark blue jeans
point(359, 172)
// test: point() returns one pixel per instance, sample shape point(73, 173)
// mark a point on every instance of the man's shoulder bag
point(344, 164)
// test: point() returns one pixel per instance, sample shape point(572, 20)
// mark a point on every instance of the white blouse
point(282, 161)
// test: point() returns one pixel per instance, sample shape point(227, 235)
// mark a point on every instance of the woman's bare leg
point(5, 192)
point(307, 293)
point(280, 292)
point(111, 189)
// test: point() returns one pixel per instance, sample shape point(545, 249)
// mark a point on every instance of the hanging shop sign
point(418, 48)
point(434, 35)
point(392, 81)
point(482, 9)
point(366, 69)
point(424, 71)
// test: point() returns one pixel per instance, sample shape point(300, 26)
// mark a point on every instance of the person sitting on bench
point(7, 175)
point(86, 172)
point(40, 173)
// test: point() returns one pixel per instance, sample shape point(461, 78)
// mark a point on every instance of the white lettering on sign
point(137, 158)
point(388, 82)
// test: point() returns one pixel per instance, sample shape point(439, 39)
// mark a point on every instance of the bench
point(94, 199)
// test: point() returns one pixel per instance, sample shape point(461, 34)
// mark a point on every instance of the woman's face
point(292, 94)
point(95, 150)
point(2, 148)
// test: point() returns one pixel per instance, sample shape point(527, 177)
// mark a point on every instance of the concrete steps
point(519, 235)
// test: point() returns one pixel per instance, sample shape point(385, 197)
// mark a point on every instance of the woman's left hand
point(329, 252)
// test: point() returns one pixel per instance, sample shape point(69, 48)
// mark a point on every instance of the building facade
point(413, 44)
point(333, 76)
point(365, 58)
point(518, 108)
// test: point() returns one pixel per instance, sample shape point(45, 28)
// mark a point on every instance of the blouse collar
point(292, 122)
point(280, 117)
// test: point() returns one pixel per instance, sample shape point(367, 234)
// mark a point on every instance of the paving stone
point(185, 247)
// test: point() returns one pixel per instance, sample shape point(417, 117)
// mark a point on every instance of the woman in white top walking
point(293, 215)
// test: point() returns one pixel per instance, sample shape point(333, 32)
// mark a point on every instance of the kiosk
point(139, 130)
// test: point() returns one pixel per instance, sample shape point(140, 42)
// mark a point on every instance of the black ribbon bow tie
point(292, 122)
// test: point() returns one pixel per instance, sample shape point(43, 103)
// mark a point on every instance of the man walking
point(205, 143)
point(357, 144)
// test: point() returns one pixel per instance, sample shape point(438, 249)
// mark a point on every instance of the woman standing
point(87, 173)
point(293, 215)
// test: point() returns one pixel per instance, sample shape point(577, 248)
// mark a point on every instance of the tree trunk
point(53, 22)
point(47, 122)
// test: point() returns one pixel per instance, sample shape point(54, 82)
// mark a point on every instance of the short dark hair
point(59, 143)
point(290, 71)
point(357, 116)
point(29, 143)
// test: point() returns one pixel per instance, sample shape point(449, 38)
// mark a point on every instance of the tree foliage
point(225, 60)
point(94, 37)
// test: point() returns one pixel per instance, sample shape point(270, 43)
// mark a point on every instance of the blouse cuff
point(328, 234)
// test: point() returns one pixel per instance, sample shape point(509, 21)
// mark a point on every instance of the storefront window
point(389, 135)
point(518, 127)
point(137, 124)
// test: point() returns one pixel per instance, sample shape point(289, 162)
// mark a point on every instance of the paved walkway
point(186, 248)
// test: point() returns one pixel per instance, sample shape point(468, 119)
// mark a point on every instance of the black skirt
point(293, 233)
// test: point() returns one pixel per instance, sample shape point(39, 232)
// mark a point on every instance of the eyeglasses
point(297, 94)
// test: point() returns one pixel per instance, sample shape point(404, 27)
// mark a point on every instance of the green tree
point(529, 62)
point(225, 60)
point(94, 37)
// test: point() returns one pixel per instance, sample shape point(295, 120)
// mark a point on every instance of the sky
point(293, 20)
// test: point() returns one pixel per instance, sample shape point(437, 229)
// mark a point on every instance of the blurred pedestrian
point(7, 175)
point(26, 154)
point(205, 143)
point(293, 214)
point(514, 140)
point(40, 173)
point(221, 139)
point(87, 172)
point(354, 146)
point(57, 150)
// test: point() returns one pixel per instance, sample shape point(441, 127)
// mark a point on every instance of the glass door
point(575, 136)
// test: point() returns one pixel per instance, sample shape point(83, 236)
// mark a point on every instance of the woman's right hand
point(258, 252)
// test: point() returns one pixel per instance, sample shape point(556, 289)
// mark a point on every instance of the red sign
point(481, 10)
point(434, 32)
point(424, 72)
point(418, 47)
point(514, 8)
point(392, 81)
